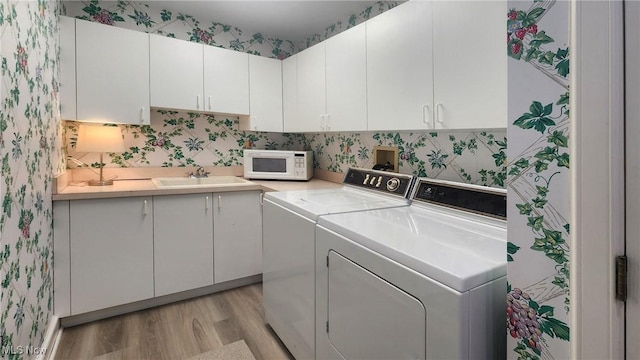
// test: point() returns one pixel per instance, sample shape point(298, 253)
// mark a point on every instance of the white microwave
point(278, 164)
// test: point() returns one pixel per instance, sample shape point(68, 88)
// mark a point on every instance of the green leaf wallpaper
point(537, 183)
point(29, 151)
point(178, 138)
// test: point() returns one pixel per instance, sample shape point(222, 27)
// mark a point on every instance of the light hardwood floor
point(178, 331)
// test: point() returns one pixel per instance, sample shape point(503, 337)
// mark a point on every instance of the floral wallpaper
point(155, 20)
point(136, 16)
point(476, 157)
point(179, 138)
point(538, 180)
point(186, 139)
point(29, 125)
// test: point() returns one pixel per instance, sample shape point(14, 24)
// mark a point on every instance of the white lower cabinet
point(111, 249)
point(237, 233)
point(183, 242)
point(111, 252)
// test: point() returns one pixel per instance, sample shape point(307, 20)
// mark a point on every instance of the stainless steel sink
point(184, 182)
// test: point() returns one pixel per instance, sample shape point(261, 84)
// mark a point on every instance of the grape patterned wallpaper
point(538, 180)
point(186, 139)
point(29, 143)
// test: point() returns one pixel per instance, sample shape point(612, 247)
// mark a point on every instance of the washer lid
point(313, 203)
point(455, 250)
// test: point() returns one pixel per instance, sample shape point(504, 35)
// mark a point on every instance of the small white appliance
point(427, 281)
point(278, 164)
point(289, 221)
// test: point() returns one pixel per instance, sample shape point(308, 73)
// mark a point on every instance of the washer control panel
point(383, 181)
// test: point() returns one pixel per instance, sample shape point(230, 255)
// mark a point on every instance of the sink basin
point(184, 182)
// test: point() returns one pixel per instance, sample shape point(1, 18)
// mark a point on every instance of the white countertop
point(126, 188)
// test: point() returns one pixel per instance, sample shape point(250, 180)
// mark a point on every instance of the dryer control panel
point(381, 181)
point(472, 198)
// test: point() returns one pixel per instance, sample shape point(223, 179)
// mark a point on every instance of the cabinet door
point(112, 74)
point(311, 89)
point(111, 252)
point(400, 68)
point(67, 68)
point(265, 95)
point(290, 93)
point(183, 242)
point(176, 73)
point(470, 77)
point(346, 66)
point(226, 80)
point(237, 234)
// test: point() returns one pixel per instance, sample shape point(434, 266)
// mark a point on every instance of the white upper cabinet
point(176, 74)
point(226, 81)
point(191, 76)
point(400, 68)
point(311, 90)
point(346, 81)
point(265, 95)
point(470, 76)
point(107, 79)
point(290, 93)
point(67, 68)
point(324, 86)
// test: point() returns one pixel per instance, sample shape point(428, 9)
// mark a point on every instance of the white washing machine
point(426, 281)
point(289, 221)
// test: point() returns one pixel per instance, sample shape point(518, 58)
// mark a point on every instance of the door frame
point(597, 177)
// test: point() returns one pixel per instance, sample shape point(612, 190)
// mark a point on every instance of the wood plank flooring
point(178, 331)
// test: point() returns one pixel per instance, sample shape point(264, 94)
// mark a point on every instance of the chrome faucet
point(199, 173)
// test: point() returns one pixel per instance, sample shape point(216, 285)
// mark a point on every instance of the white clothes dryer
point(289, 221)
point(426, 281)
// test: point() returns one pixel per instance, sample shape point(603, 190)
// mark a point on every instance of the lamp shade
point(93, 138)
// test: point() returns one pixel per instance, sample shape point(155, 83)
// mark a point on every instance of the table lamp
point(101, 139)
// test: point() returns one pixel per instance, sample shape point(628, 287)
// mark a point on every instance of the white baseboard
point(50, 339)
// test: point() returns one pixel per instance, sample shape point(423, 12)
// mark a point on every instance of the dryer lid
point(459, 252)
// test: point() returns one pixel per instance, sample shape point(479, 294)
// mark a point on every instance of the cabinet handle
point(328, 122)
point(198, 102)
point(206, 203)
point(219, 201)
point(144, 208)
point(438, 119)
point(322, 122)
point(142, 114)
point(261, 198)
point(425, 111)
point(209, 102)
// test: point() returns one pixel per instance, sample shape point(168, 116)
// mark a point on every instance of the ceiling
point(294, 20)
